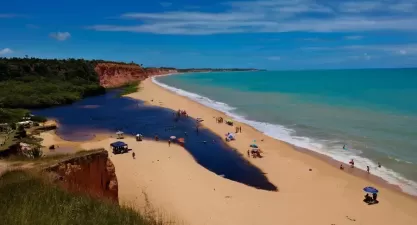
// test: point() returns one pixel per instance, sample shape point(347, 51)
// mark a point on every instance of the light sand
point(180, 186)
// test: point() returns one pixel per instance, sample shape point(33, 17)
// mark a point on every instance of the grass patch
point(50, 159)
point(129, 88)
point(27, 199)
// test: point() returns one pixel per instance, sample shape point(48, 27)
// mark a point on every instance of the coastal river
point(109, 113)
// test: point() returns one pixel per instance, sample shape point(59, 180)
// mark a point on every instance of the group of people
point(255, 153)
point(352, 165)
point(219, 119)
point(371, 200)
point(238, 129)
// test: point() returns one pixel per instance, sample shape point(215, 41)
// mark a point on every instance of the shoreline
point(360, 172)
point(174, 182)
point(292, 169)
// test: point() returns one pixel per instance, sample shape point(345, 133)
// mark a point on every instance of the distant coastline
point(192, 70)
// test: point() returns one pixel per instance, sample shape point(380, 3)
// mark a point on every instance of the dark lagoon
point(110, 113)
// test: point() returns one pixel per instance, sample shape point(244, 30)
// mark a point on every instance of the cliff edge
point(92, 173)
point(117, 74)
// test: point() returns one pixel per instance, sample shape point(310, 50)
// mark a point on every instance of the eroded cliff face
point(92, 173)
point(158, 71)
point(116, 75)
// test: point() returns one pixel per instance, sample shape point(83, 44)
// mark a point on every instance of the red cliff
point(117, 74)
point(92, 173)
point(158, 71)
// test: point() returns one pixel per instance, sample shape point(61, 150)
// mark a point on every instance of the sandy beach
point(311, 190)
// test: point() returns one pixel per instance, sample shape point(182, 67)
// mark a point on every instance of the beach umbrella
point(254, 146)
point(370, 190)
point(172, 137)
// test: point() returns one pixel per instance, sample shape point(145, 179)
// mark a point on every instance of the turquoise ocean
point(371, 111)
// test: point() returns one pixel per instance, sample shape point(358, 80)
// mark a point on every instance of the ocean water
point(372, 111)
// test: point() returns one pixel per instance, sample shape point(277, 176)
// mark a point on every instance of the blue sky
point(270, 34)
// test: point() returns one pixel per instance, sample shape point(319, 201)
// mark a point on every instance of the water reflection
point(110, 113)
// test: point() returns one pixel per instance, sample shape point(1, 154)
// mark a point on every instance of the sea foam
point(325, 147)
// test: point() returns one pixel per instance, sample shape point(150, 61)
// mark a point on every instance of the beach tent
point(139, 137)
point(119, 134)
point(254, 146)
point(371, 190)
point(231, 136)
point(229, 122)
point(119, 147)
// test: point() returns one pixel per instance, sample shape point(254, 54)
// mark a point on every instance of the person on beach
point(248, 153)
point(367, 169)
point(240, 129)
point(352, 163)
point(342, 167)
point(156, 138)
point(169, 143)
point(133, 155)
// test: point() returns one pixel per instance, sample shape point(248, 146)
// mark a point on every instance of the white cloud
point(9, 15)
point(274, 58)
point(364, 56)
point(393, 49)
point(6, 51)
point(361, 6)
point(60, 36)
point(403, 52)
point(354, 37)
point(32, 26)
point(274, 16)
point(165, 4)
point(391, 6)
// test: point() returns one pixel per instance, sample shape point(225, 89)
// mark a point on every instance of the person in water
point(379, 165)
point(367, 169)
point(352, 163)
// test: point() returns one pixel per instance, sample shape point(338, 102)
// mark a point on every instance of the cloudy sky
point(270, 34)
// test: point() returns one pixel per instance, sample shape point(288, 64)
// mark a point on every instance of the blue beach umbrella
point(370, 190)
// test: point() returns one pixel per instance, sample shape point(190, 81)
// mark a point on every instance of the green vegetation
point(129, 88)
point(36, 83)
point(27, 199)
point(12, 115)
